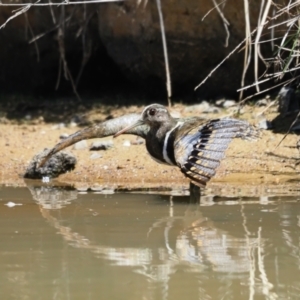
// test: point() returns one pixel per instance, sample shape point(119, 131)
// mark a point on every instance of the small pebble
point(204, 106)
point(127, 143)
point(262, 102)
point(137, 141)
point(229, 103)
point(72, 124)
point(80, 145)
point(76, 120)
point(101, 145)
point(95, 156)
point(58, 126)
point(264, 124)
point(63, 136)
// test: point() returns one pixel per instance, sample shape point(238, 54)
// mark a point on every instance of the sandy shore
point(255, 166)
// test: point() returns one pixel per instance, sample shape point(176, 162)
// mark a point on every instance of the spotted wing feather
point(199, 150)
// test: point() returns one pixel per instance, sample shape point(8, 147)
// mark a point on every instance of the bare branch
point(17, 13)
point(58, 3)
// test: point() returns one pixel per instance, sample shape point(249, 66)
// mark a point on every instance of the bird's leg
point(195, 193)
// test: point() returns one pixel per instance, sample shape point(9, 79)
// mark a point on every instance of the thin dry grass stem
point(32, 34)
point(58, 74)
point(287, 58)
point(268, 41)
point(261, 23)
point(295, 51)
point(37, 37)
point(215, 68)
point(247, 55)
point(18, 12)
point(225, 21)
point(24, 7)
point(281, 73)
point(289, 50)
point(287, 133)
point(253, 84)
point(288, 7)
point(58, 3)
point(264, 91)
point(218, 4)
point(62, 51)
point(267, 107)
point(52, 12)
point(273, 30)
point(165, 50)
point(86, 45)
point(288, 22)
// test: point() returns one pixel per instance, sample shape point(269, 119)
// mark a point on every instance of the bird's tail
point(212, 141)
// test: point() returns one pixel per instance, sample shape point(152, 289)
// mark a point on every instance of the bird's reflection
point(189, 240)
point(198, 242)
point(51, 197)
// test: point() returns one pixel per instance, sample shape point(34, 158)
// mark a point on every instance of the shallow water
point(60, 244)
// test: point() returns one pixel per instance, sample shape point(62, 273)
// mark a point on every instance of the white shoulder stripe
point(165, 153)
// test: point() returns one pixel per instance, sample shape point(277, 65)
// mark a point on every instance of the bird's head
point(153, 115)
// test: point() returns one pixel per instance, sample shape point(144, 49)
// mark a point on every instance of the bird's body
point(195, 145)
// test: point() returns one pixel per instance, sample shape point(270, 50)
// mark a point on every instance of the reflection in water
point(176, 245)
point(52, 197)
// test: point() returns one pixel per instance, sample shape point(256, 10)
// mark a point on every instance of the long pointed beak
point(126, 129)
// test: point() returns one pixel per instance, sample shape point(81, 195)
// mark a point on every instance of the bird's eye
point(152, 111)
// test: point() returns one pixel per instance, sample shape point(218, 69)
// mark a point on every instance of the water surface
point(60, 244)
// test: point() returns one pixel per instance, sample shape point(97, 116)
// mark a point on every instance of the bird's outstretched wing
point(199, 151)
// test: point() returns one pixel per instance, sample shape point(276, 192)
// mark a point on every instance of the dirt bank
point(255, 166)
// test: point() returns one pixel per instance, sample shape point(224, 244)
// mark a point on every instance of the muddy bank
point(256, 166)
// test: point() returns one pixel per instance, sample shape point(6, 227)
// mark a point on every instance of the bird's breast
point(160, 145)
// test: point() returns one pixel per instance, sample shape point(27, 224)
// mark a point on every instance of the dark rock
point(289, 101)
point(102, 145)
point(123, 39)
point(58, 164)
point(131, 34)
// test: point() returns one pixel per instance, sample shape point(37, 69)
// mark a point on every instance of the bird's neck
point(160, 141)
